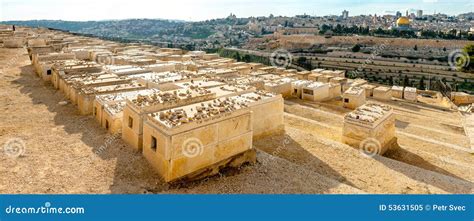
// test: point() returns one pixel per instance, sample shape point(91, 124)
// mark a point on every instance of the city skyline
point(188, 10)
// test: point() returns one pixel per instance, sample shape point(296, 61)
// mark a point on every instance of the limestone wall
point(397, 92)
point(321, 93)
point(383, 93)
point(353, 101)
point(280, 88)
point(410, 94)
point(268, 117)
point(214, 142)
point(359, 136)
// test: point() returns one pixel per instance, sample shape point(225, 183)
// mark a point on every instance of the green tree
point(469, 50)
point(406, 81)
point(246, 58)
point(356, 48)
point(421, 85)
point(301, 60)
point(390, 80)
point(235, 55)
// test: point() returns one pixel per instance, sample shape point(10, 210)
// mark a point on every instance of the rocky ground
point(61, 150)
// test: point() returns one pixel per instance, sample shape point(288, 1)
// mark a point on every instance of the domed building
point(403, 23)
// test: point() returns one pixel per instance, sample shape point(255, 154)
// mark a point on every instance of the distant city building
point(403, 23)
point(232, 16)
point(345, 14)
point(399, 14)
point(419, 13)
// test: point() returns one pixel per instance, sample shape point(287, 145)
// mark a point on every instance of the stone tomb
point(79, 84)
point(199, 84)
point(267, 112)
point(335, 90)
point(297, 87)
point(37, 50)
point(125, 70)
point(63, 69)
point(354, 97)
point(397, 92)
point(136, 109)
point(325, 78)
point(317, 71)
point(86, 96)
point(231, 90)
point(14, 42)
point(101, 101)
point(44, 63)
point(336, 73)
point(371, 128)
point(316, 91)
point(314, 76)
point(280, 86)
point(383, 93)
point(164, 81)
point(113, 115)
point(303, 75)
point(66, 81)
point(34, 42)
point(369, 89)
point(160, 67)
point(268, 69)
point(353, 83)
point(339, 80)
point(256, 82)
point(195, 141)
point(410, 94)
point(242, 70)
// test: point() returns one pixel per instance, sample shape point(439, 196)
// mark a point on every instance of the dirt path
point(348, 165)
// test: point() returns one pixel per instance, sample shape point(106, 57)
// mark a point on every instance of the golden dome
point(403, 21)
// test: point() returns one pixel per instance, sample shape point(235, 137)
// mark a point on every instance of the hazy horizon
point(188, 10)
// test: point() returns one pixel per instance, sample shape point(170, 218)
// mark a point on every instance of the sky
point(198, 10)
